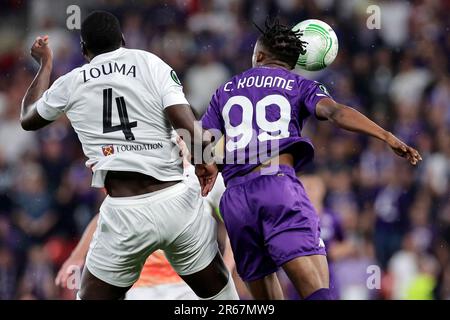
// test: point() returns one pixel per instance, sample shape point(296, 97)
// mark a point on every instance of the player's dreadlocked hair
point(283, 43)
point(101, 32)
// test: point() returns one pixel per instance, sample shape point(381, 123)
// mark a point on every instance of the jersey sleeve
point(212, 118)
point(169, 86)
point(313, 92)
point(55, 99)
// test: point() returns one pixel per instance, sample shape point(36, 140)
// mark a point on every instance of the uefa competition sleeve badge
point(174, 76)
point(324, 89)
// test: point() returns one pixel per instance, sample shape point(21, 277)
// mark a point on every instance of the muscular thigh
point(308, 274)
point(92, 288)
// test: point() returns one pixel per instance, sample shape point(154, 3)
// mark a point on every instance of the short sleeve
point(212, 119)
point(169, 86)
point(313, 92)
point(55, 99)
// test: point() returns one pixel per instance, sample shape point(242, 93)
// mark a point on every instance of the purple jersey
point(261, 112)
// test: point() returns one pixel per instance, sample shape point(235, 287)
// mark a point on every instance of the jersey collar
point(106, 55)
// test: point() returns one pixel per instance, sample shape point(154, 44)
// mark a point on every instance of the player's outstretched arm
point(348, 118)
point(78, 255)
point(29, 117)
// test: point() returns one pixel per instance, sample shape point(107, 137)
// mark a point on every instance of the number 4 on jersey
point(125, 124)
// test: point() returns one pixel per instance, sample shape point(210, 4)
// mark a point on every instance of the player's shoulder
point(301, 80)
point(149, 57)
point(306, 83)
point(138, 52)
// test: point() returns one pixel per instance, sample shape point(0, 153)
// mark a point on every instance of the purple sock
point(321, 294)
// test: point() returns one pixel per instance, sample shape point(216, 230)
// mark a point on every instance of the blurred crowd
point(380, 216)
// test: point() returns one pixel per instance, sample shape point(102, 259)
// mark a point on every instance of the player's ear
point(260, 56)
point(83, 48)
point(85, 51)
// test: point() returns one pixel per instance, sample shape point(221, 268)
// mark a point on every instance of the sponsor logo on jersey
point(139, 147)
point(108, 150)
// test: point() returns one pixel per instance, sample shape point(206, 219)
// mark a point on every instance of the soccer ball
point(321, 45)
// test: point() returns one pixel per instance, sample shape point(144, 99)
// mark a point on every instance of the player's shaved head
point(101, 32)
point(280, 42)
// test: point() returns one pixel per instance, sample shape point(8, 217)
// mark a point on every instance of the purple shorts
point(270, 221)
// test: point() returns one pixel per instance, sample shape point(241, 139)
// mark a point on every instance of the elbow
point(26, 125)
point(31, 121)
point(25, 122)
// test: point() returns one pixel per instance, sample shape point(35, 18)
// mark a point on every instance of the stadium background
point(391, 214)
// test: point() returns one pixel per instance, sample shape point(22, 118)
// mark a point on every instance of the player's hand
point(41, 51)
point(207, 175)
point(403, 150)
point(67, 269)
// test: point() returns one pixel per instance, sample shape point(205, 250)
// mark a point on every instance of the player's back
point(262, 112)
point(116, 105)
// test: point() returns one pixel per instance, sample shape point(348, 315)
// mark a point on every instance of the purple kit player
point(269, 218)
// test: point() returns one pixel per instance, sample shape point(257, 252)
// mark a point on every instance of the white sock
point(227, 293)
point(78, 296)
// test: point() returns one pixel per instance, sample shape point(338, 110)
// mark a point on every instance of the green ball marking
point(315, 30)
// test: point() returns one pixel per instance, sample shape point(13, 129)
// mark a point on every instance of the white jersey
point(116, 106)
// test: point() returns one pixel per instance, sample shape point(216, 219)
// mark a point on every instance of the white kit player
point(124, 106)
point(158, 280)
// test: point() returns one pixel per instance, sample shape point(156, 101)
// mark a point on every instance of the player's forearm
point(349, 119)
point(199, 141)
point(83, 246)
point(190, 130)
point(37, 88)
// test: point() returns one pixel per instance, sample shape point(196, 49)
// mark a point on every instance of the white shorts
point(171, 291)
point(129, 229)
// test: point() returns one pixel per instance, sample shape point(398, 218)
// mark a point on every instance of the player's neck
point(90, 56)
point(274, 64)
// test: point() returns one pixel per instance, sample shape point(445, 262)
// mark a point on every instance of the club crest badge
point(108, 150)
